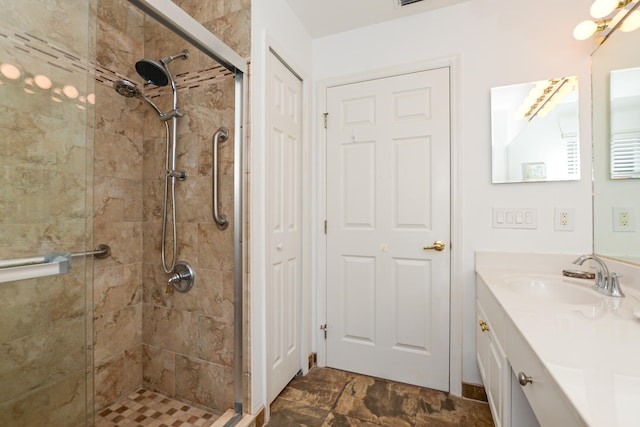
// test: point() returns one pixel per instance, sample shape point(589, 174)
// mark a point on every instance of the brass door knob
point(438, 245)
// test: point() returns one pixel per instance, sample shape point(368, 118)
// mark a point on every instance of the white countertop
point(592, 351)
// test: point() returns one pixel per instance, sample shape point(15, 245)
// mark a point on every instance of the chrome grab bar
point(221, 135)
point(44, 265)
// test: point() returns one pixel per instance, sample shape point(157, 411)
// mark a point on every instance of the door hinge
point(326, 115)
point(324, 329)
point(325, 226)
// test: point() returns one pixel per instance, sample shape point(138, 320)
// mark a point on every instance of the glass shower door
point(46, 122)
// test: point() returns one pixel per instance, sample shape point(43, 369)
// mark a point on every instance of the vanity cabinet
point(503, 353)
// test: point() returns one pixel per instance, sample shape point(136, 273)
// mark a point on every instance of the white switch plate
point(515, 218)
point(623, 219)
point(563, 219)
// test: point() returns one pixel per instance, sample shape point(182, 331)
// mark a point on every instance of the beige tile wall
point(118, 208)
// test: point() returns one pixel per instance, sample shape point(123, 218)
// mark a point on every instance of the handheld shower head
point(130, 90)
point(126, 88)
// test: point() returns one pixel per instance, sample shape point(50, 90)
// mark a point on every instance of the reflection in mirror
point(534, 131)
point(616, 202)
point(625, 123)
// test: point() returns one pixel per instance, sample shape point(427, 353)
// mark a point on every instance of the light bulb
point(10, 71)
point(551, 104)
point(602, 8)
point(542, 84)
point(43, 82)
point(542, 113)
point(584, 30)
point(70, 91)
point(631, 22)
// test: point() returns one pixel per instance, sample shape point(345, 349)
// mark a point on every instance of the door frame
point(456, 272)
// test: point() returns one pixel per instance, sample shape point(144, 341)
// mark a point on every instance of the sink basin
point(553, 289)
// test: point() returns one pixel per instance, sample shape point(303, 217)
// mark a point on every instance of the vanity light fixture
point(544, 97)
point(606, 19)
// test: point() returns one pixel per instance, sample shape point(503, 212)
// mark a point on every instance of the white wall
point(497, 43)
point(273, 25)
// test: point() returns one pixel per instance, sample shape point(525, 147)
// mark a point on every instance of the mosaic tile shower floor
point(145, 408)
point(330, 398)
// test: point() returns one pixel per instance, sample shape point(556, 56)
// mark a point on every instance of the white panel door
point(388, 196)
point(284, 275)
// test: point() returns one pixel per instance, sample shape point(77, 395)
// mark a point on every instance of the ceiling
point(324, 17)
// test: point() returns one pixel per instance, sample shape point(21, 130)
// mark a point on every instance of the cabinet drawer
point(551, 406)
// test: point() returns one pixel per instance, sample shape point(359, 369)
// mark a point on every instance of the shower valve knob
point(183, 277)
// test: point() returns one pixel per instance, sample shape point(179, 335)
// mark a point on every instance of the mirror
point(625, 123)
point(534, 131)
point(616, 130)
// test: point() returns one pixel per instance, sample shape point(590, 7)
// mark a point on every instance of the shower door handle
point(221, 135)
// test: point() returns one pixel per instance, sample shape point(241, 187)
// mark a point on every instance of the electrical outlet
point(623, 219)
point(563, 219)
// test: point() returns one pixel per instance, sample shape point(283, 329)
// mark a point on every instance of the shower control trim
point(183, 277)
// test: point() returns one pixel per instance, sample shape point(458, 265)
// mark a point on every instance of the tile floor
point(149, 409)
point(327, 397)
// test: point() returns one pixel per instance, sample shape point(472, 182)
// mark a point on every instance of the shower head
point(152, 72)
point(157, 72)
point(126, 88)
point(130, 90)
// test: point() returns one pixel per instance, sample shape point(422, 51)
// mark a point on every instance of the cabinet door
point(494, 369)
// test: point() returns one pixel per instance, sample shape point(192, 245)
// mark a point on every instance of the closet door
point(284, 207)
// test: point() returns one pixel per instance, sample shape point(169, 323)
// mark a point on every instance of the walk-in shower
point(157, 73)
point(83, 165)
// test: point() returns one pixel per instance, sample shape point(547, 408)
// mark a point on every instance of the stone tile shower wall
point(178, 344)
point(118, 205)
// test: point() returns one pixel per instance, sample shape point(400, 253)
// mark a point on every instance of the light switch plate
point(515, 218)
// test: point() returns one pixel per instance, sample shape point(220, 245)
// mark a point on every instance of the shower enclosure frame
point(177, 20)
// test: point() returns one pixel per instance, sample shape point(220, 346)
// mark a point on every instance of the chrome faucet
point(606, 282)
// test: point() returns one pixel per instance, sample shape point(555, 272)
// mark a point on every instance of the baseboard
point(313, 360)
point(474, 392)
